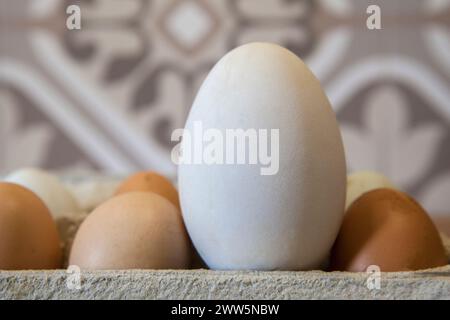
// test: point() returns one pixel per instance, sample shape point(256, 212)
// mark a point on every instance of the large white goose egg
point(262, 174)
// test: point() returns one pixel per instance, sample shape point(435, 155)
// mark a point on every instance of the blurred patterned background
point(108, 96)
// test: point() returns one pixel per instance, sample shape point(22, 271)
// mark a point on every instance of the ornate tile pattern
point(108, 96)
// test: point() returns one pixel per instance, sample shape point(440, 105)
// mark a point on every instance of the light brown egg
point(135, 230)
point(153, 182)
point(389, 229)
point(28, 235)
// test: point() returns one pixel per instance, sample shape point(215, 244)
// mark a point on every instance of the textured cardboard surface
point(206, 284)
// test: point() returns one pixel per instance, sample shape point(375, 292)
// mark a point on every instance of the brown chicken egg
point(389, 229)
point(153, 182)
point(28, 235)
point(135, 230)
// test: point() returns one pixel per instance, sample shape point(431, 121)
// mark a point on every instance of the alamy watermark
point(373, 281)
point(373, 21)
point(73, 281)
point(237, 146)
point(73, 21)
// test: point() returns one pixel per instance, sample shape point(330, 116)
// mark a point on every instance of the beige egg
point(49, 188)
point(136, 230)
point(361, 182)
point(28, 235)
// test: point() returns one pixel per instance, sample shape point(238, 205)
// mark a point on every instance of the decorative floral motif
point(161, 40)
point(388, 142)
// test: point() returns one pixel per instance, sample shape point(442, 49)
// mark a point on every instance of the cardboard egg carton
point(206, 284)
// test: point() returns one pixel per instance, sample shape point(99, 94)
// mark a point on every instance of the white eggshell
point(240, 219)
point(362, 182)
point(46, 186)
